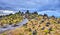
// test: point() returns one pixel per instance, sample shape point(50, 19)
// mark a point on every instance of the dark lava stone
point(50, 29)
point(47, 24)
point(15, 25)
point(42, 21)
point(42, 28)
point(34, 32)
point(4, 27)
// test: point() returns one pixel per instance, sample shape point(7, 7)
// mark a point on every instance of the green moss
point(46, 31)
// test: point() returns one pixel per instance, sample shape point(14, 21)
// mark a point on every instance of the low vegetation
point(37, 25)
point(11, 19)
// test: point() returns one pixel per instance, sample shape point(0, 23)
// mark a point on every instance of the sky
point(32, 5)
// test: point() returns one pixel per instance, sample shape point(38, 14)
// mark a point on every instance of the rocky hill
point(37, 25)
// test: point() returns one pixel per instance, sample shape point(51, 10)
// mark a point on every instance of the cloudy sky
point(32, 5)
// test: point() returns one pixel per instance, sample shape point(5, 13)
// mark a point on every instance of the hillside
point(10, 19)
point(37, 25)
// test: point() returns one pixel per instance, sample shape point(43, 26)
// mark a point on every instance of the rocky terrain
point(36, 25)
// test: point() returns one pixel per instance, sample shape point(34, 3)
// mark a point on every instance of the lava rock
point(42, 28)
point(47, 24)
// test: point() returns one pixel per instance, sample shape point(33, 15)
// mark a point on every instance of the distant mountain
point(50, 13)
point(6, 12)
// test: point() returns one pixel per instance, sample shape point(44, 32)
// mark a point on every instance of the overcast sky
point(32, 5)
